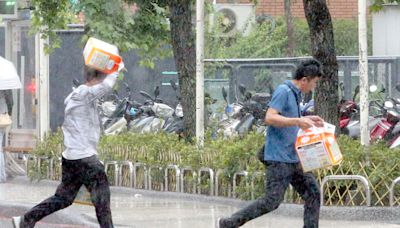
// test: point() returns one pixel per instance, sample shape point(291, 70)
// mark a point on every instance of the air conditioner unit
point(8, 9)
point(233, 18)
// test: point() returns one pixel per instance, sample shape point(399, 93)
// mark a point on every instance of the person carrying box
point(280, 158)
point(80, 164)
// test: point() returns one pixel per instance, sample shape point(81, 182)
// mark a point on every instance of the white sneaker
point(217, 224)
point(17, 221)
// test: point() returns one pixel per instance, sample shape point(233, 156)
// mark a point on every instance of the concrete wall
point(386, 31)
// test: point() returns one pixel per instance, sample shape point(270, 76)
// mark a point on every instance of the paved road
point(144, 209)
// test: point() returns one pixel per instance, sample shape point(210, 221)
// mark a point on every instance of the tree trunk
point(289, 28)
point(183, 45)
point(323, 49)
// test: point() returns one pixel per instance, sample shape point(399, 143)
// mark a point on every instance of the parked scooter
point(350, 119)
point(152, 115)
point(119, 119)
point(175, 124)
point(244, 116)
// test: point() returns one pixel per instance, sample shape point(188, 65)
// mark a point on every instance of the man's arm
point(104, 87)
point(274, 118)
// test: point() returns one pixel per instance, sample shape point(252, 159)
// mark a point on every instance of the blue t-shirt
point(279, 143)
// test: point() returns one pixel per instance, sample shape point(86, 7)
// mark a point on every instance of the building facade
point(339, 9)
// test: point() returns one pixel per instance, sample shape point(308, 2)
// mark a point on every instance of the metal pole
point(363, 72)
point(42, 88)
point(200, 73)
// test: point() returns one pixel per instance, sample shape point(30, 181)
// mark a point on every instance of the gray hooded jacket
point(81, 125)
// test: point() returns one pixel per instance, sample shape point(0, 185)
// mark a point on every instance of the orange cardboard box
point(317, 148)
point(101, 55)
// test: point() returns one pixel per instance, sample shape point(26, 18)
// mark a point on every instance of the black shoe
point(224, 223)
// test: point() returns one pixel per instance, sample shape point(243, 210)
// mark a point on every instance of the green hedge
point(233, 155)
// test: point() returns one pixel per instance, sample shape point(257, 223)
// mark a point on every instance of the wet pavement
point(146, 209)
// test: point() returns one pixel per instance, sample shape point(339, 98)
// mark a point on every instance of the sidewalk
point(146, 209)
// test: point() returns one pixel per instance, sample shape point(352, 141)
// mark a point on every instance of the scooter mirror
point(127, 89)
point(248, 96)
point(341, 85)
point(356, 91)
point(389, 104)
point(156, 91)
point(146, 95)
point(242, 89)
point(173, 85)
point(373, 88)
point(398, 87)
point(224, 94)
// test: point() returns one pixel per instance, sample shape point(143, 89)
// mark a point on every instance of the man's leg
point(96, 182)
point(64, 196)
point(277, 179)
point(306, 185)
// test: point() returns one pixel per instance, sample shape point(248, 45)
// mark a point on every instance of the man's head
point(93, 76)
point(307, 75)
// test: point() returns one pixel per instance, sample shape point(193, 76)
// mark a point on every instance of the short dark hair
point(90, 74)
point(309, 68)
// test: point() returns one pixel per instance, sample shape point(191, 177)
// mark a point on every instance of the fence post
point(187, 169)
point(211, 173)
point(253, 177)
point(177, 174)
point(347, 177)
point(149, 178)
point(135, 168)
point(241, 173)
point(391, 197)
point(130, 167)
point(116, 169)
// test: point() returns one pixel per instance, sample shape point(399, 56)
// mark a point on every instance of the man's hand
point(305, 123)
point(318, 121)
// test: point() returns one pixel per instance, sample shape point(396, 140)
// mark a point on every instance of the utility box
point(386, 31)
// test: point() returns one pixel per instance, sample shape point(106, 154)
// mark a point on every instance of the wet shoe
point(223, 223)
point(17, 221)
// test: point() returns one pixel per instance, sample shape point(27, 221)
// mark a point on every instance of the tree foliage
point(268, 40)
point(377, 5)
point(146, 31)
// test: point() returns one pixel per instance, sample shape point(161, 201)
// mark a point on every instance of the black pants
point(278, 177)
point(75, 173)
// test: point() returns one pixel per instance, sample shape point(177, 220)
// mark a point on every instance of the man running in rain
point(80, 164)
point(280, 158)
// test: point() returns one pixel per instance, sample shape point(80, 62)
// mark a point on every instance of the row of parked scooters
point(245, 114)
point(122, 113)
point(383, 119)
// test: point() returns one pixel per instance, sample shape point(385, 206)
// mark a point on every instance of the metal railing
point(194, 175)
point(39, 161)
point(130, 169)
point(136, 166)
point(177, 174)
point(235, 175)
point(116, 169)
point(363, 180)
point(211, 173)
point(200, 176)
point(253, 178)
point(391, 195)
point(217, 179)
point(150, 177)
